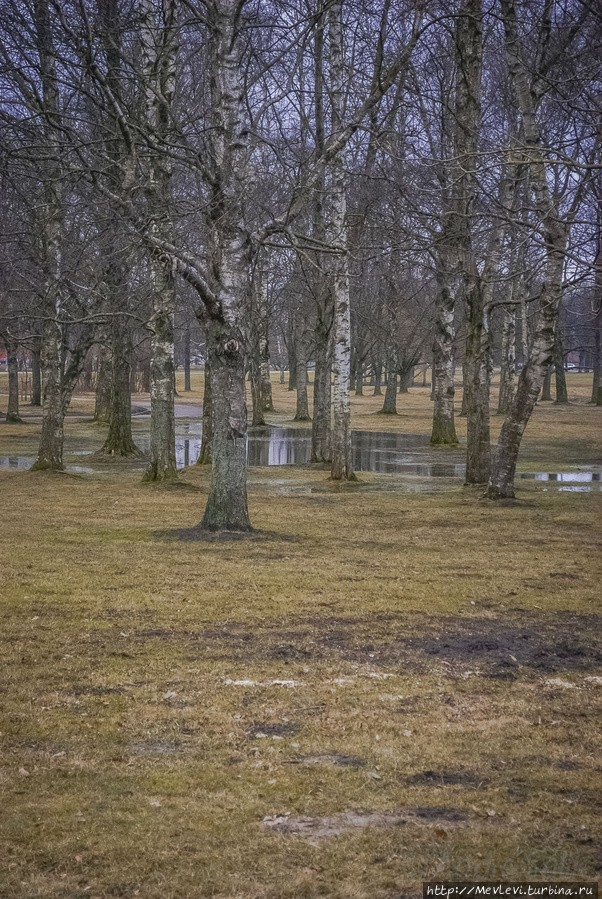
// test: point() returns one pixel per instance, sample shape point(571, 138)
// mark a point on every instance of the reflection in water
point(379, 451)
point(372, 451)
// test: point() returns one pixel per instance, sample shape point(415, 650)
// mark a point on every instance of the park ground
point(387, 683)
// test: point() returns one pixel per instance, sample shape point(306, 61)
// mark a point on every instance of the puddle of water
point(25, 462)
point(376, 451)
point(570, 476)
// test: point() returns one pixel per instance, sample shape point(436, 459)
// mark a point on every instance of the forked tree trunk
point(501, 481)
point(227, 507)
point(205, 453)
point(506, 393)
point(405, 379)
point(12, 363)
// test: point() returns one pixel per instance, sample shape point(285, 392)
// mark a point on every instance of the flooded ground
point(384, 452)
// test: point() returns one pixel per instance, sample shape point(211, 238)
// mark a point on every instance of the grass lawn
point(387, 683)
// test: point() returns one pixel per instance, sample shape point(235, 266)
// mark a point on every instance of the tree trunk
point(501, 481)
point(119, 440)
point(158, 50)
point(12, 361)
point(302, 412)
point(506, 393)
point(546, 392)
point(390, 401)
point(321, 431)
point(227, 508)
point(562, 396)
point(342, 461)
point(359, 376)
point(104, 380)
point(405, 379)
point(476, 362)
point(378, 374)
point(187, 387)
point(443, 390)
point(258, 418)
point(50, 451)
point(596, 397)
point(162, 465)
point(205, 453)
point(36, 373)
point(292, 360)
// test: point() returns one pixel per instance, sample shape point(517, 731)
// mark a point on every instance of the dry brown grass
point(443, 652)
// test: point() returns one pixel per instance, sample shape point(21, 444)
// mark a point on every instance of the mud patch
point(323, 828)
point(493, 646)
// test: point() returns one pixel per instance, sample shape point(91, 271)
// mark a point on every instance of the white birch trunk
point(342, 464)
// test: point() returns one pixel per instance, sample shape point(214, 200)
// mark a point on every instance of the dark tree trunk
point(378, 374)
point(302, 412)
point(12, 361)
point(501, 481)
point(258, 418)
point(205, 453)
point(477, 383)
point(50, 451)
point(187, 387)
point(506, 394)
point(119, 440)
point(227, 508)
point(546, 392)
point(104, 381)
point(562, 396)
point(292, 361)
point(36, 373)
point(359, 376)
point(163, 436)
point(390, 401)
point(405, 379)
point(442, 386)
point(320, 432)
point(596, 397)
